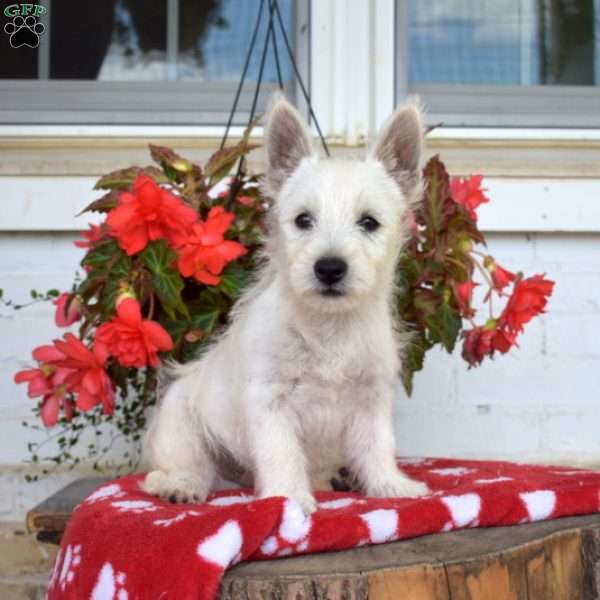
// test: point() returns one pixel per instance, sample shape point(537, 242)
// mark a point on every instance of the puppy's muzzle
point(330, 270)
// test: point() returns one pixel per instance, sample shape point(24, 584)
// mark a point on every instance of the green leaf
point(176, 328)
point(170, 172)
point(167, 283)
point(121, 269)
point(110, 293)
point(123, 178)
point(234, 280)
point(444, 326)
point(101, 255)
point(413, 360)
point(207, 310)
point(206, 322)
point(120, 179)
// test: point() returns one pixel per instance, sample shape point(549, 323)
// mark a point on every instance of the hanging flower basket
point(176, 249)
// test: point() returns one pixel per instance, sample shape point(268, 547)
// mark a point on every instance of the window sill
point(91, 151)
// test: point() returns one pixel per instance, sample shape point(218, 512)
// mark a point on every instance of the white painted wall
point(539, 403)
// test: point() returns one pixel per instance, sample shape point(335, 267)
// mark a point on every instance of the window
point(502, 62)
point(134, 61)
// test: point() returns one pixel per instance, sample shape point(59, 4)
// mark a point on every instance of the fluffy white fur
point(303, 381)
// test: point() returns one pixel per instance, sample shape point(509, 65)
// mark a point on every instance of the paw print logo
point(24, 31)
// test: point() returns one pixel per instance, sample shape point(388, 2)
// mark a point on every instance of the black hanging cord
point(276, 52)
point(270, 36)
point(263, 60)
point(299, 78)
point(244, 72)
point(261, 70)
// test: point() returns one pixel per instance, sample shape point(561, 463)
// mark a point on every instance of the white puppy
point(304, 379)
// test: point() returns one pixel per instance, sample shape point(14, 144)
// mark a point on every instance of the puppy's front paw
point(398, 486)
point(176, 487)
point(306, 500)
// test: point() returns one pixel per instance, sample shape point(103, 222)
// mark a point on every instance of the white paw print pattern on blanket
point(382, 524)
point(293, 533)
point(539, 504)
point(177, 519)
point(464, 510)
point(452, 471)
point(110, 585)
point(135, 506)
point(112, 491)
point(224, 547)
point(65, 567)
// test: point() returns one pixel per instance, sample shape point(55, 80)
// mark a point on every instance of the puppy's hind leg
point(177, 451)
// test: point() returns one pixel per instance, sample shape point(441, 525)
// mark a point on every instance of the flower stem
point(151, 310)
point(485, 274)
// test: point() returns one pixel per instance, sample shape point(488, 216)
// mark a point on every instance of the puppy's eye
point(304, 221)
point(368, 223)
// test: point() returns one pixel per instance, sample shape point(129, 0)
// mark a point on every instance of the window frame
point(543, 106)
point(168, 102)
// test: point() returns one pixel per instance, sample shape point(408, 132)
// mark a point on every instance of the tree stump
point(549, 560)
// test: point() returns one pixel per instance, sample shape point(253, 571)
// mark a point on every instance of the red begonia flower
point(63, 317)
point(149, 213)
point(206, 253)
point(529, 298)
point(504, 340)
point(47, 354)
point(93, 235)
point(88, 379)
point(134, 342)
point(52, 403)
point(464, 293)
point(48, 381)
point(477, 344)
point(500, 277)
point(468, 193)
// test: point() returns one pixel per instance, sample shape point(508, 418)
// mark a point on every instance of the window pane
point(219, 53)
point(504, 42)
point(141, 40)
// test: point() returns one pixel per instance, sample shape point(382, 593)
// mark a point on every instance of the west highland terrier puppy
point(304, 379)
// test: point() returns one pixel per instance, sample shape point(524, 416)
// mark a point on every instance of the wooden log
point(52, 515)
point(549, 560)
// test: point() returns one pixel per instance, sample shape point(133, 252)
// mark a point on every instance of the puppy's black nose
point(330, 269)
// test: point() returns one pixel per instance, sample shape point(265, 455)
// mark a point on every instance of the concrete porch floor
point(24, 563)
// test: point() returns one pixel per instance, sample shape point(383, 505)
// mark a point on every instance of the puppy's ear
point(400, 144)
point(287, 142)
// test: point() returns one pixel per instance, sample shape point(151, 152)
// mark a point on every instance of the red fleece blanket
point(123, 544)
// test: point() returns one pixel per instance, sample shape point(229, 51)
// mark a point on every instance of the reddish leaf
point(103, 204)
